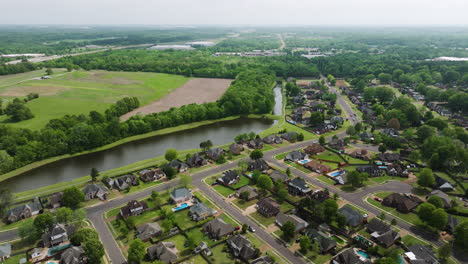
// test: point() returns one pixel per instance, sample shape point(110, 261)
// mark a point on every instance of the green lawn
point(410, 240)
point(223, 190)
point(244, 204)
point(410, 217)
point(221, 257)
point(262, 220)
point(329, 155)
point(385, 178)
point(242, 182)
point(326, 180)
point(82, 91)
point(297, 166)
point(15, 259)
point(179, 241)
point(199, 236)
point(198, 259)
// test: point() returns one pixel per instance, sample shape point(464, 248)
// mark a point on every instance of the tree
point(206, 145)
point(6, 163)
point(316, 118)
point(94, 174)
point(425, 211)
point(461, 235)
point(288, 172)
point(424, 132)
point(356, 179)
point(6, 199)
point(426, 178)
point(322, 140)
point(136, 252)
point(382, 148)
point(288, 229)
point(64, 215)
point(171, 154)
point(351, 131)
point(393, 123)
point(79, 215)
point(244, 195)
point(82, 235)
point(28, 232)
point(444, 252)
point(438, 219)
point(49, 71)
point(305, 244)
point(18, 111)
point(255, 175)
point(264, 183)
point(256, 154)
point(72, 197)
point(281, 194)
point(245, 227)
point(382, 216)
point(185, 180)
point(43, 222)
point(394, 222)
point(93, 250)
point(385, 78)
point(436, 201)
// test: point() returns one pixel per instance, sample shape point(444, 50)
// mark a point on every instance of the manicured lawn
point(182, 219)
point(290, 128)
point(205, 200)
point(223, 190)
point(318, 258)
point(241, 183)
point(196, 260)
point(199, 236)
point(15, 259)
point(262, 220)
point(333, 166)
point(221, 257)
point(285, 206)
point(179, 241)
point(281, 156)
point(244, 204)
point(5, 226)
point(297, 166)
point(328, 155)
point(326, 180)
point(352, 160)
point(382, 194)
point(410, 217)
point(410, 240)
point(82, 91)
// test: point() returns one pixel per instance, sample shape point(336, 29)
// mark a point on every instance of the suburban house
point(73, 255)
point(326, 243)
point(317, 167)
point(241, 247)
point(253, 193)
point(452, 223)
point(236, 149)
point(349, 256)
point(122, 182)
point(180, 195)
point(442, 184)
point(5, 252)
point(320, 195)
point(58, 234)
point(255, 143)
point(382, 233)
point(214, 153)
point(196, 160)
point(298, 186)
point(260, 165)
point(290, 136)
point(337, 144)
point(389, 157)
point(36, 252)
point(263, 260)
point(178, 165)
point(360, 154)
point(92, 191)
point(203, 248)
point(404, 203)
point(372, 170)
point(366, 136)
point(229, 178)
point(163, 251)
point(24, 211)
point(151, 175)
point(421, 254)
point(200, 211)
point(148, 230)
point(296, 155)
point(390, 132)
point(314, 149)
point(353, 217)
point(298, 222)
point(445, 198)
point(133, 208)
point(217, 228)
point(278, 176)
point(55, 200)
point(272, 139)
point(268, 207)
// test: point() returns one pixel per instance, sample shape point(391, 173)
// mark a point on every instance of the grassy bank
point(120, 142)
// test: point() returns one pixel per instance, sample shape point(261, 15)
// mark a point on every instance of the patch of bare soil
point(340, 83)
point(25, 90)
point(201, 90)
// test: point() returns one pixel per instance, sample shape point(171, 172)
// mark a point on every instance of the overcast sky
point(237, 12)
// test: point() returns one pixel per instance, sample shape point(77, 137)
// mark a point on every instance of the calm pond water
point(68, 169)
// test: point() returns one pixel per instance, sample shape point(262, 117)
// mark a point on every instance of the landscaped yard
point(410, 217)
point(15, 259)
point(262, 220)
point(244, 204)
point(241, 183)
point(385, 178)
point(221, 257)
point(328, 155)
point(326, 180)
point(223, 190)
point(410, 240)
point(179, 241)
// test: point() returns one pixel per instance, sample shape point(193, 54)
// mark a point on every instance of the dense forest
point(252, 90)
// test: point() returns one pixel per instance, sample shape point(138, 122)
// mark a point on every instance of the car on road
point(251, 229)
point(237, 228)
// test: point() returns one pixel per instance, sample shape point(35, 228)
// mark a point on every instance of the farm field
point(80, 92)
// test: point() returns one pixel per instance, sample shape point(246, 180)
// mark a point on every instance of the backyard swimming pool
point(363, 254)
point(336, 173)
point(303, 161)
point(182, 206)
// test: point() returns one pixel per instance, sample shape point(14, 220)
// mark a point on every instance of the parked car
point(378, 199)
point(251, 229)
point(237, 228)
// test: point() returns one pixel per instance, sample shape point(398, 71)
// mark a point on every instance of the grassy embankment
point(80, 92)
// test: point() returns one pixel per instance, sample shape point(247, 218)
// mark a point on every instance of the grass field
point(82, 91)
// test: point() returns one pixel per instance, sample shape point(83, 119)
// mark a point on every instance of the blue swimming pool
point(336, 173)
point(382, 167)
point(303, 161)
point(363, 254)
point(182, 206)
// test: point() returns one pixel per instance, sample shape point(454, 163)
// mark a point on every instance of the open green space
point(410, 240)
point(80, 92)
point(329, 155)
point(409, 217)
point(326, 180)
point(241, 183)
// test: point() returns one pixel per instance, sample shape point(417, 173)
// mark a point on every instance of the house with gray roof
point(58, 234)
point(326, 243)
point(273, 139)
point(445, 198)
point(133, 208)
point(278, 176)
point(298, 186)
point(263, 260)
point(23, 211)
point(5, 252)
point(178, 165)
point(163, 251)
point(196, 160)
point(296, 155)
point(151, 175)
point(260, 165)
point(180, 195)
point(236, 149)
point(452, 223)
point(148, 230)
point(122, 182)
point(217, 228)
point(348, 256)
point(353, 217)
point(73, 255)
point(253, 193)
point(382, 233)
point(229, 177)
point(55, 200)
point(255, 143)
point(241, 248)
point(200, 211)
point(214, 153)
point(298, 222)
point(92, 191)
point(419, 254)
